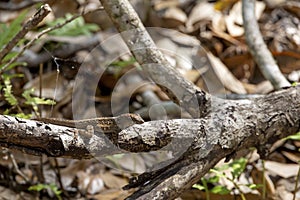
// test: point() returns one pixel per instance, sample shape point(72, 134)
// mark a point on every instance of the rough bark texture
point(197, 144)
point(154, 64)
point(232, 126)
point(37, 138)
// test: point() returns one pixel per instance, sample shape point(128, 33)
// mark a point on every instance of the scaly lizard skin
point(102, 124)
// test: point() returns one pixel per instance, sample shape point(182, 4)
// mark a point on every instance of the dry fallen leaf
point(113, 182)
point(258, 176)
point(282, 169)
point(170, 17)
point(225, 76)
point(202, 11)
point(234, 20)
point(95, 185)
point(111, 194)
point(53, 86)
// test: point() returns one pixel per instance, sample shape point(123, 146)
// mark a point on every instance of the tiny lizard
point(101, 124)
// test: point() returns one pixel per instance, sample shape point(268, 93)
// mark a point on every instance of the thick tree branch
point(258, 48)
point(196, 144)
point(37, 138)
point(245, 116)
point(231, 127)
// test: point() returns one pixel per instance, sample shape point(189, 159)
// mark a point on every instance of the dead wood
point(225, 126)
point(197, 144)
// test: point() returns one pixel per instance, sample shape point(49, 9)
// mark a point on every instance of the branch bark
point(154, 64)
point(258, 48)
point(197, 144)
point(234, 125)
point(226, 126)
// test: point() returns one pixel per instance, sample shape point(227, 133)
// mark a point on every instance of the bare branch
point(134, 34)
point(197, 144)
point(258, 48)
point(37, 138)
point(40, 35)
point(82, 42)
point(235, 125)
point(30, 24)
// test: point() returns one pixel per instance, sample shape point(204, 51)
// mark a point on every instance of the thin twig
point(58, 174)
point(19, 172)
point(68, 48)
point(30, 24)
point(43, 33)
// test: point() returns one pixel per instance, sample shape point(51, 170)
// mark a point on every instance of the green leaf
point(293, 137)
point(9, 56)
point(8, 32)
point(73, 28)
point(10, 76)
point(219, 189)
point(9, 97)
point(14, 64)
point(35, 101)
point(218, 173)
point(39, 187)
point(22, 115)
point(238, 166)
point(199, 187)
point(254, 186)
point(223, 167)
point(213, 179)
point(6, 112)
point(124, 63)
point(55, 189)
point(52, 187)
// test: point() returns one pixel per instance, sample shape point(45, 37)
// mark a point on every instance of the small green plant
point(293, 137)
point(52, 187)
point(35, 101)
point(73, 28)
point(118, 65)
point(124, 63)
point(7, 32)
point(236, 168)
point(14, 102)
point(218, 189)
